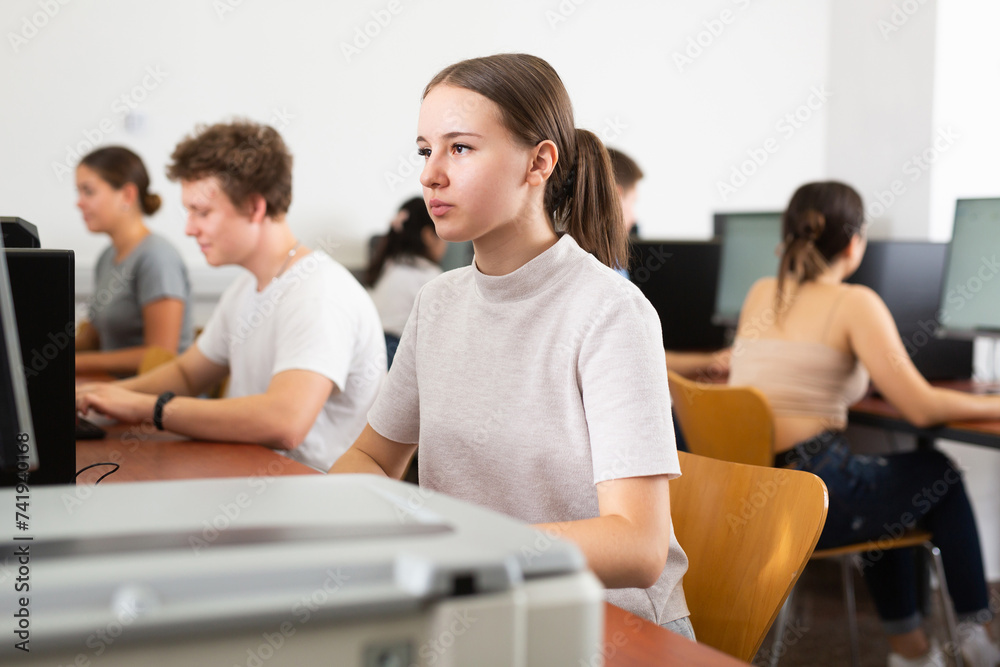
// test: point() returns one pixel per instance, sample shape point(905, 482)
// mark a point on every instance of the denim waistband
point(807, 450)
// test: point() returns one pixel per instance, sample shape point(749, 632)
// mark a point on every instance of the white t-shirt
point(397, 289)
point(314, 317)
point(524, 391)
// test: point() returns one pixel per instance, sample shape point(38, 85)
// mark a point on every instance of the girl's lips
point(440, 209)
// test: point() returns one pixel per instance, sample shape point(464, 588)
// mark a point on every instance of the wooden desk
point(145, 454)
point(877, 412)
point(630, 641)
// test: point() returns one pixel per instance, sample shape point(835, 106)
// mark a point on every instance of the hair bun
point(151, 203)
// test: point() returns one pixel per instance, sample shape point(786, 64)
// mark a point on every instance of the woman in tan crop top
point(809, 341)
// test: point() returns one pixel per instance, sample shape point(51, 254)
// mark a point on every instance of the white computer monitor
point(970, 295)
point(749, 252)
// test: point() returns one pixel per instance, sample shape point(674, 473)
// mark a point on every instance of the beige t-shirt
point(525, 390)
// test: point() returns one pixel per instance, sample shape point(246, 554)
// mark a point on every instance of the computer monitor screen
point(970, 298)
point(18, 451)
point(679, 278)
point(749, 252)
point(908, 276)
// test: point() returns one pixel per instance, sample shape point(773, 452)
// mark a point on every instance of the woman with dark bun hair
point(141, 286)
point(533, 381)
point(809, 341)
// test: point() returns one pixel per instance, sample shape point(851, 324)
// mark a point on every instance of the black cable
point(94, 465)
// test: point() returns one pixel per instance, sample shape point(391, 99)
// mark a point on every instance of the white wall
point(882, 64)
point(966, 100)
point(350, 123)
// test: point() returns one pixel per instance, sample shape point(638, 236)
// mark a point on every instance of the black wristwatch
point(163, 399)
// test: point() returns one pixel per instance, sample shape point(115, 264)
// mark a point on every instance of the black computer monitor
point(18, 447)
point(908, 276)
point(18, 233)
point(970, 297)
point(42, 287)
point(679, 278)
point(749, 252)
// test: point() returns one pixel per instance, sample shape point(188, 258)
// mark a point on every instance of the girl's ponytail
point(587, 204)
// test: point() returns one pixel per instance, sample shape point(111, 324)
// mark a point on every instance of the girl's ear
point(543, 160)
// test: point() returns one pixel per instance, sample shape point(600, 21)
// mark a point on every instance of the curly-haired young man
point(298, 336)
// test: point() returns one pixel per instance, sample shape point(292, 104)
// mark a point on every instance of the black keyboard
point(87, 430)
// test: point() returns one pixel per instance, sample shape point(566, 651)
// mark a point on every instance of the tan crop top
point(800, 378)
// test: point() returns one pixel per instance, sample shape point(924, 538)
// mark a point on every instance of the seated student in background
point(407, 257)
point(693, 365)
point(512, 375)
point(297, 334)
point(809, 342)
point(141, 286)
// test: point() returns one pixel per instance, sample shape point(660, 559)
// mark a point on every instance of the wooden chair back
point(722, 422)
point(748, 532)
point(155, 356)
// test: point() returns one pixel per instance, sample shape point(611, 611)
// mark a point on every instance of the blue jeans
point(391, 343)
point(682, 627)
point(880, 497)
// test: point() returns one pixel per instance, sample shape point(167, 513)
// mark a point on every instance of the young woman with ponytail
point(809, 342)
point(533, 381)
point(141, 286)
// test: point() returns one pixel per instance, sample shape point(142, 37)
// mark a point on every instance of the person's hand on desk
point(114, 401)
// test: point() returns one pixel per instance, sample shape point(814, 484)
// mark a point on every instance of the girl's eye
point(424, 152)
point(460, 149)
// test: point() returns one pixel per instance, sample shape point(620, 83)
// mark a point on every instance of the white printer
point(311, 570)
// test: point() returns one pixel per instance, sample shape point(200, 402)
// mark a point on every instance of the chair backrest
point(722, 422)
point(155, 356)
point(748, 532)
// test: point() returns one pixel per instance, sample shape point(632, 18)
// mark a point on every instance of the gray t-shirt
point(523, 391)
point(153, 270)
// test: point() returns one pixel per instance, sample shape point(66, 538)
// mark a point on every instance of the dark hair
point(627, 172)
point(820, 221)
point(405, 242)
point(580, 196)
point(117, 166)
point(247, 158)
